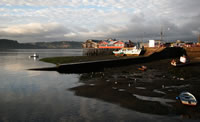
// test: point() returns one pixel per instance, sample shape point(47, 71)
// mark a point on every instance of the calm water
point(44, 96)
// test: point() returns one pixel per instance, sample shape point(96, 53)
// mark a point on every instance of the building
point(129, 44)
point(178, 43)
point(103, 44)
point(189, 44)
point(91, 43)
point(154, 43)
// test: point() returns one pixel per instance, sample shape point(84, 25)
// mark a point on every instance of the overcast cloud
point(57, 20)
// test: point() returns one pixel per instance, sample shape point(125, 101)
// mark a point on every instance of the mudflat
point(151, 91)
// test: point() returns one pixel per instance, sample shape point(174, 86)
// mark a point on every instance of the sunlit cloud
point(47, 20)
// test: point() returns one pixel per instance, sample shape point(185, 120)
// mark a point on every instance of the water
point(38, 96)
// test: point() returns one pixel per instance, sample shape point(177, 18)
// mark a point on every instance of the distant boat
point(34, 56)
point(187, 98)
point(134, 51)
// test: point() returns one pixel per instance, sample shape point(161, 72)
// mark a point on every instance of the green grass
point(73, 59)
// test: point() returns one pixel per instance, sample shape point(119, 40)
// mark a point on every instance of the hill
point(13, 44)
point(57, 45)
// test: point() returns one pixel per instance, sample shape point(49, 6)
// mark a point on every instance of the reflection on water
point(44, 96)
point(142, 88)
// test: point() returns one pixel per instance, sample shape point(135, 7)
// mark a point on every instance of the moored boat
point(134, 51)
point(34, 56)
point(187, 98)
point(118, 53)
point(181, 62)
point(177, 64)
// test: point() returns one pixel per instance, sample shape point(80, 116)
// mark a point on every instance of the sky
point(79, 20)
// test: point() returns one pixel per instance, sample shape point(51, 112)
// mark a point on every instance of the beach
point(152, 91)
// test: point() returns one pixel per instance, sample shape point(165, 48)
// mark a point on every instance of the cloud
point(34, 31)
point(83, 19)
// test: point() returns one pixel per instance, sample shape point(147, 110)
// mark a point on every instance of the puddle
point(155, 99)
point(178, 87)
point(159, 92)
point(114, 88)
point(137, 75)
point(91, 84)
point(121, 90)
point(140, 88)
point(180, 79)
point(107, 80)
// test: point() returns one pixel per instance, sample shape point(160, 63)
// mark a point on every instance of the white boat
point(119, 52)
point(176, 64)
point(181, 62)
point(34, 56)
point(134, 51)
point(187, 98)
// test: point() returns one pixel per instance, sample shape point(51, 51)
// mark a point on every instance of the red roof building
point(112, 44)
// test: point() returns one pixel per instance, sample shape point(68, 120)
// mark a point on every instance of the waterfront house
point(111, 43)
point(178, 43)
point(103, 44)
point(154, 43)
point(189, 44)
point(91, 43)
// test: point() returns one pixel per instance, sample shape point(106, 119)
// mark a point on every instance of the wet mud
point(151, 91)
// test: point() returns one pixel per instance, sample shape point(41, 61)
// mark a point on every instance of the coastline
point(152, 91)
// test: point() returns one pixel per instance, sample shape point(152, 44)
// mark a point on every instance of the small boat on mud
point(34, 56)
point(142, 68)
point(177, 64)
point(187, 98)
point(181, 62)
point(134, 51)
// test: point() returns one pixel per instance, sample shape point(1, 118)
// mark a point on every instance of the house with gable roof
point(103, 44)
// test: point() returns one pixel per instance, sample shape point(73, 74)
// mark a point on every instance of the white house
point(151, 43)
point(154, 43)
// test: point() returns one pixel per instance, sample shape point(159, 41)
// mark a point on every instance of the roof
point(112, 42)
point(97, 41)
point(119, 42)
point(103, 42)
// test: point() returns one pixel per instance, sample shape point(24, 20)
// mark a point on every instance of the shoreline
point(83, 64)
point(152, 91)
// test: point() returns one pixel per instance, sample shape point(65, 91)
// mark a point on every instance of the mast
point(161, 34)
point(199, 38)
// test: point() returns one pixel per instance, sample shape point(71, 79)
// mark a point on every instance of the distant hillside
point(13, 44)
point(58, 45)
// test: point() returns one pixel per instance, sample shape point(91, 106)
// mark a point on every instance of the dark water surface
point(37, 96)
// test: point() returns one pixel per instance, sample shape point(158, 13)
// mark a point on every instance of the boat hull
point(128, 52)
point(189, 103)
point(187, 98)
point(119, 54)
point(179, 64)
point(131, 54)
